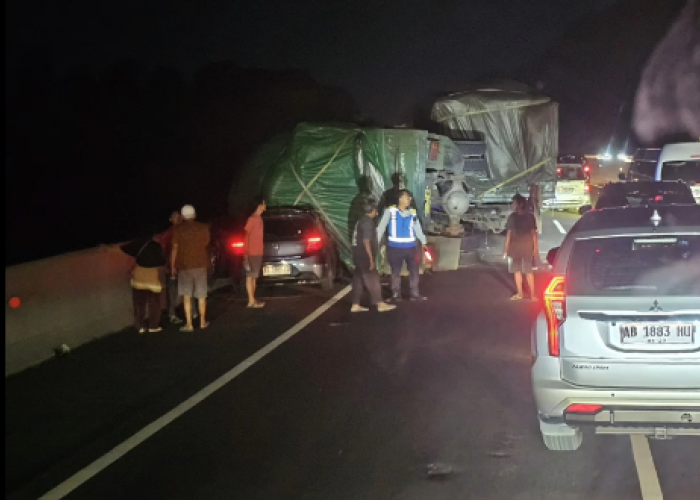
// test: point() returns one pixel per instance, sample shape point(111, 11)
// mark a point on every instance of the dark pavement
point(431, 401)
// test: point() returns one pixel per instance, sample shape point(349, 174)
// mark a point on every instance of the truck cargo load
point(333, 168)
point(509, 138)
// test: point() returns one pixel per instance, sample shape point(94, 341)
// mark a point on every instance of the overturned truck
point(508, 138)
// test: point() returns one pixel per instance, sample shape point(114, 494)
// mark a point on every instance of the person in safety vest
point(402, 228)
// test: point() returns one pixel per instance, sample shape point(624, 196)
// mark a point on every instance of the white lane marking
point(122, 449)
point(559, 226)
point(648, 478)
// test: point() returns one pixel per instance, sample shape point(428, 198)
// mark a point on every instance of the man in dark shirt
point(364, 250)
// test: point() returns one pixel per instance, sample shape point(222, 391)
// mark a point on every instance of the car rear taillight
point(586, 188)
point(314, 243)
point(555, 312)
point(586, 168)
point(428, 255)
point(582, 409)
point(237, 246)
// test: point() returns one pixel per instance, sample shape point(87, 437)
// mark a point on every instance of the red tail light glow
point(658, 198)
point(238, 246)
point(582, 409)
point(314, 244)
point(586, 168)
point(586, 188)
point(428, 256)
point(555, 312)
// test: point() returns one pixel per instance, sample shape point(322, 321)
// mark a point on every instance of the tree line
point(102, 156)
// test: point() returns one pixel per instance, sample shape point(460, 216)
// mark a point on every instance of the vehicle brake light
point(428, 256)
point(314, 244)
point(583, 409)
point(586, 188)
point(555, 312)
point(658, 198)
point(586, 168)
point(559, 170)
point(238, 247)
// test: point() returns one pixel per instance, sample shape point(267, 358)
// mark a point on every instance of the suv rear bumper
point(567, 203)
point(625, 411)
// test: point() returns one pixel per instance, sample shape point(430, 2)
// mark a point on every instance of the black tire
point(328, 281)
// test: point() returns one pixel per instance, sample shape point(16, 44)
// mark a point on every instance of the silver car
point(616, 347)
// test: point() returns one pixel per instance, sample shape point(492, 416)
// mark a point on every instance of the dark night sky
point(387, 54)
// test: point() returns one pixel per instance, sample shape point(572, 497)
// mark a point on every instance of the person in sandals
point(521, 246)
point(364, 250)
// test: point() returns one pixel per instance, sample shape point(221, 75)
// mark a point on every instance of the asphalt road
point(431, 401)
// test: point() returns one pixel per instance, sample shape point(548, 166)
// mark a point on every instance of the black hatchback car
point(298, 249)
point(632, 194)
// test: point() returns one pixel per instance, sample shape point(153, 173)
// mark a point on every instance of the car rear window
point(280, 227)
point(641, 171)
point(635, 265)
point(568, 173)
point(688, 171)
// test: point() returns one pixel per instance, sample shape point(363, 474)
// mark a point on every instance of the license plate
point(565, 190)
point(277, 269)
point(657, 333)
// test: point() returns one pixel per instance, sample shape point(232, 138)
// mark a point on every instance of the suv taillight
point(314, 244)
point(237, 246)
point(555, 312)
point(584, 409)
point(586, 188)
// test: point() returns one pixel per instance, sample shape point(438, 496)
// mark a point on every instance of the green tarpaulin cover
point(333, 168)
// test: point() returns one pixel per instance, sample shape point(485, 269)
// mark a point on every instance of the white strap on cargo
point(534, 167)
point(315, 203)
point(315, 178)
point(537, 102)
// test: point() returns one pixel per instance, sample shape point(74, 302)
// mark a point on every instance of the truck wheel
point(328, 280)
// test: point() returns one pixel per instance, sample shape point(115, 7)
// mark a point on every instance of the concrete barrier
point(68, 299)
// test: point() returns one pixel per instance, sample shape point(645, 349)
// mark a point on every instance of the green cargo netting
point(333, 168)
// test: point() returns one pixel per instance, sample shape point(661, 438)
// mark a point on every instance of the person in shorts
point(189, 260)
point(521, 246)
point(254, 251)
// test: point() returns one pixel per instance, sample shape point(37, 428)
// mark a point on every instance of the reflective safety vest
point(401, 234)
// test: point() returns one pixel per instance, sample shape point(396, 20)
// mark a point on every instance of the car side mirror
point(552, 255)
point(621, 176)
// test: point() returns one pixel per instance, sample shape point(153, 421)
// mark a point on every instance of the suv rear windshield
point(635, 265)
point(688, 171)
point(642, 171)
point(570, 173)
point(287, 227)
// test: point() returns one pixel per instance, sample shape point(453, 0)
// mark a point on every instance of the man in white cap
point(189, 260)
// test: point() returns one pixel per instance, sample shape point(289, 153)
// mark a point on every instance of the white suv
point(617, 345)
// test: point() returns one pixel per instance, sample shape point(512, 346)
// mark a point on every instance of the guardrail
point(68, 299)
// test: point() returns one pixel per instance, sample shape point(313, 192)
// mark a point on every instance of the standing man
point(521, 246)
point(189, 261)
point(364, 250)
point(254, 251)
point(166, 241)
point(403, 230)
